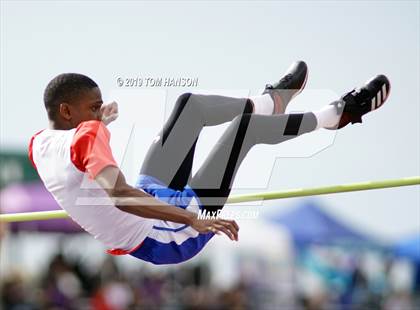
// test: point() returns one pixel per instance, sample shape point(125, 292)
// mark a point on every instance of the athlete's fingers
point(114, 107)
point(225, 230)
point(234, 224)
point(105, 108)
point(113, 117)
point(110, 118)
point(231, 226)
point(110, 108)
point(214, 230)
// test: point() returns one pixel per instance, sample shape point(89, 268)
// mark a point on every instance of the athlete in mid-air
point(156, 219)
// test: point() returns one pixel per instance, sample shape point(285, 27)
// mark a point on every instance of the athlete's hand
point(109, 112)
point(229, 227)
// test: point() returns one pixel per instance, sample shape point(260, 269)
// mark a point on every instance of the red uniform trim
point(123, 252)
point(30, 148)
point(90, 151)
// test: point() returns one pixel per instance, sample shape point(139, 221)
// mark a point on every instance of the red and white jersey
point(67, 162)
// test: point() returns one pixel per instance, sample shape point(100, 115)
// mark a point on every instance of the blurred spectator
point(14, 294)
point(61, 286)
point(3, 230)
point(113, 295)
point(327, 281)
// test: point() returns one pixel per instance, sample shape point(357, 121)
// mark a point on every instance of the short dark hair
point(65, 88)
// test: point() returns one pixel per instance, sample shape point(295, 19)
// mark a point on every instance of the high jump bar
point(290, 193)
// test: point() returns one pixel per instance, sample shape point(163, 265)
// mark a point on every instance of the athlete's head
point(72, 98)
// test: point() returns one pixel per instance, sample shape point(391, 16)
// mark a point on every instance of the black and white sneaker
point(289, 86)
point(358, 102)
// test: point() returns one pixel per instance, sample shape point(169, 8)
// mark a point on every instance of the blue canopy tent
point(410, 249)
point(308, 223)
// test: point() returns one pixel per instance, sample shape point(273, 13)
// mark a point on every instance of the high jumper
point(156, 219)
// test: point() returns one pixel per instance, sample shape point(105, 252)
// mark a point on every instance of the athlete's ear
point(65, 111)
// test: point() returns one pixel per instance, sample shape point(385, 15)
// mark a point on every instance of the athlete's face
point(86, 108)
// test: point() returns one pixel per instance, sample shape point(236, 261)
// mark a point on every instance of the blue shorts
point(169, 242)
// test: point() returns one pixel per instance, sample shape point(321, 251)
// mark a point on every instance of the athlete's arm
point(134, 201)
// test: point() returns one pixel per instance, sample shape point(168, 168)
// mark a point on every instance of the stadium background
point(232, 48)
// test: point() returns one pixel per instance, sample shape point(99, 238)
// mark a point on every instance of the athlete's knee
point(239, 128)
point(182, 101)
point(241, 121)
point(184, 97)
point(244, 129)
point(249, 106)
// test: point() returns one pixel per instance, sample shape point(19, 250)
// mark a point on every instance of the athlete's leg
point(213, 181)
point(170, 157)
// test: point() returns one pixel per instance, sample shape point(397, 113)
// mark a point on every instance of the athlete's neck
point(57, 125)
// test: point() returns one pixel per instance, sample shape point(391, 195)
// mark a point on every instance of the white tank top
point(67, 162)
